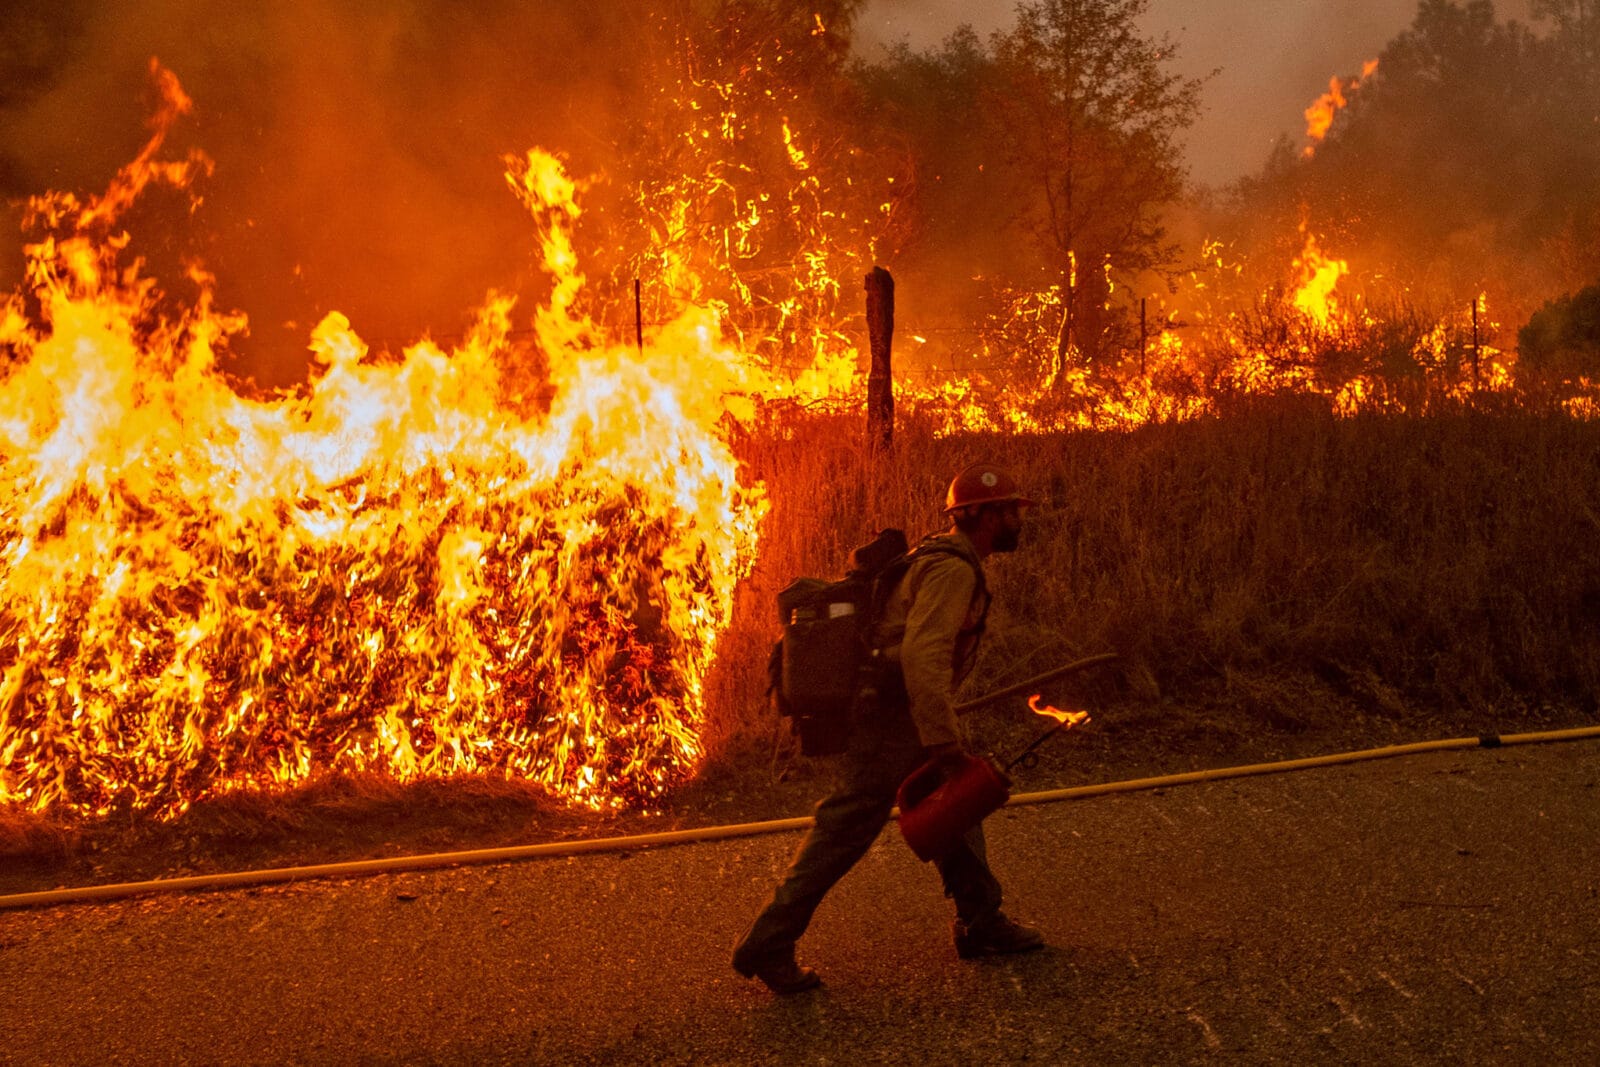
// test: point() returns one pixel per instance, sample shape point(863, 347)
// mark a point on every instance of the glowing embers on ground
point(396, 569)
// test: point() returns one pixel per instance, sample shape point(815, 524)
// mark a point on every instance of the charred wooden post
point(638, 318)
point(1474, 344)
point(1142, 336)
point(880, 380)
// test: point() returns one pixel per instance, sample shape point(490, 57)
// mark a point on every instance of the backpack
point(826, 663)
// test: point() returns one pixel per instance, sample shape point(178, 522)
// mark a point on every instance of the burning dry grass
point(395, 570)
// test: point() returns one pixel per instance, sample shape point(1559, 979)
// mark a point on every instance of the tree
point(1090, 117)
point(1562, 339)
point(1468, 163)
point(1577, 34)
point(1570, 63)
point(926, 117)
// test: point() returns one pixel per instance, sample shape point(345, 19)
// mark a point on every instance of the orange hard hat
point(983, 483)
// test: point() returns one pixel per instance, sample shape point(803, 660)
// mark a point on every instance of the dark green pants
point(884, 749)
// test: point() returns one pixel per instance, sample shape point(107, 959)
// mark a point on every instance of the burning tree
point(1465, 164)
point(1043, 160)
point(1091, 114)
point(516, 551)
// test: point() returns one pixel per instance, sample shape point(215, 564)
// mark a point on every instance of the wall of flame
point(398, 568)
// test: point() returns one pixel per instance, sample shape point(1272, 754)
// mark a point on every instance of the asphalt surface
point(1437, 908)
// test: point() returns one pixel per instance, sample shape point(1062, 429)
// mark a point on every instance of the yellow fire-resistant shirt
point(929, 628)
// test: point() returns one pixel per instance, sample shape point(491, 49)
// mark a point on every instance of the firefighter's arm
point(940, 601)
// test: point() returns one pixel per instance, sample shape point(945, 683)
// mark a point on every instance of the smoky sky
point(358, 145)
point(1271, 58)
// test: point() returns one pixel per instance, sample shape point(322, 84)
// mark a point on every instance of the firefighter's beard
point(1006, 539)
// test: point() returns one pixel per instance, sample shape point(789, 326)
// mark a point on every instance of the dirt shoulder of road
point(369, 817)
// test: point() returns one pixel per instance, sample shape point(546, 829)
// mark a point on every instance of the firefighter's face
point(1008, 531)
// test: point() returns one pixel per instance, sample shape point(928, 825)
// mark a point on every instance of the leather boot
point(995, 936)
point(783, 977)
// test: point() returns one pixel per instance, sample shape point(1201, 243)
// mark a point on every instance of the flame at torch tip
point(1068, 719)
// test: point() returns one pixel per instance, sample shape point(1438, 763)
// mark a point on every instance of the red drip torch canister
point(939, 803)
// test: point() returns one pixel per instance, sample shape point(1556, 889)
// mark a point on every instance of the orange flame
point(403, 566)
point(1068, 719)
point(397, 569)
point(1319, 277)
point(1319, 116)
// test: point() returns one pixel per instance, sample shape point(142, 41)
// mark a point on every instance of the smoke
point(358, 145)
point(923, 24)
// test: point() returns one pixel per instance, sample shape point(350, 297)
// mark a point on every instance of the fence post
point(880, 380)
point(1141, 337)
point(638, 318)
point(1475, 352)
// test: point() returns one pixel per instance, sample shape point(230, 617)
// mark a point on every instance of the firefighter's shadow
point(1056, 970)
point(804, 1027)
point(951, 995)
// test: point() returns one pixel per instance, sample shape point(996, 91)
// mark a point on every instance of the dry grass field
point(1286, 565)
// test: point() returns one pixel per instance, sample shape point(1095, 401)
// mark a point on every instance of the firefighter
point(929, 634)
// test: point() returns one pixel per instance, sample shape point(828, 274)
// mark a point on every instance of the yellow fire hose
point(356, 868)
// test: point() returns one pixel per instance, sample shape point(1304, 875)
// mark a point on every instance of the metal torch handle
point(1034, 682)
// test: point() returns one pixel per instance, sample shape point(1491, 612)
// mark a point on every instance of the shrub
point(1562, 339)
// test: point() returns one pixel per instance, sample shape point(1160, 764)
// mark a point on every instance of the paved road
point(1439, 908)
